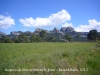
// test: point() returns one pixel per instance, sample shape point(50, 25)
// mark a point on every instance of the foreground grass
point(82, 58)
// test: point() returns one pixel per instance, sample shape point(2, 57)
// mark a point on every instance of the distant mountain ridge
point(69, 30)
point(2, 33)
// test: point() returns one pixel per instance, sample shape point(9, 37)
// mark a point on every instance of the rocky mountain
point(83, 34)
point(63, 29)
point(58, 33)
point(67, 29)
point(56, 30)
point(28, 33)
point(37, 30)
point(16, 32)
point(2, 33)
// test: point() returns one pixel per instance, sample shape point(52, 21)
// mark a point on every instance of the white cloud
point(67, 24)
point(6, 21)
point(51, 21)
point(93, 24)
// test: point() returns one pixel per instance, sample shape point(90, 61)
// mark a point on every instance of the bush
point(8, 40)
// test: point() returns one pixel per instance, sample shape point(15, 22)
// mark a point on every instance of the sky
point(27, 15)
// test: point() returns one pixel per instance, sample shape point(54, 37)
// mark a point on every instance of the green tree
point(51, 39)
point(43, 34)
point(78, 36)
point(22, 38)
point(33, 38)
point(92, 35)
point(15, 39)
point(38, 39)
point(3, 38)
point(8, 40)
point(99, 37)
point(68, 37)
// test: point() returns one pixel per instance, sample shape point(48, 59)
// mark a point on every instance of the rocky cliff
point(67, 29)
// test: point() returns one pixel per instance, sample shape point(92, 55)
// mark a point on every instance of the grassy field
point(49, 59)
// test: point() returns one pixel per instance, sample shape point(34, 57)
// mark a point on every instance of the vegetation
point(99, 36)
point(8, 40)
point(51, 39)
point(98, 44)
point(35, 38)
point(68, 37)
point(3, 38)
point(78, 36)
point(92, 35)
point(42, 36)
point(22, 38)
point(84, 57)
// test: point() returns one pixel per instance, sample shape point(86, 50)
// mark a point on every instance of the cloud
point(67, 24)
point(6, 21)
point(51, 21)
point(93, 24)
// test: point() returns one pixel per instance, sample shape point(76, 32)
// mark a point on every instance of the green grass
point(49, 56)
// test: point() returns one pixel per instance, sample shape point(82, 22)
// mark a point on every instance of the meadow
point(47, 58)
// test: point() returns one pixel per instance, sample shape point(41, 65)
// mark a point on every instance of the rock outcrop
point(2, 33)
point(37, 30)
point(67, 29)
point(56, 30)
point(63, 29)
point(16, 32)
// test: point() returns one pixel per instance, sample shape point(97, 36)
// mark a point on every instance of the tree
point(33, 38)
point(42, 34)
point(78, 36)
point(68, 37)
point(8, 40)
point(3, 38)
point(99, 36)
point(22, 38)
point(51, 39)
point(38, 39)
point(92, 35)
point(15, 39)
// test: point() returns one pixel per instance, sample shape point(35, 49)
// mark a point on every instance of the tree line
point(23, 38)
point(93, 35)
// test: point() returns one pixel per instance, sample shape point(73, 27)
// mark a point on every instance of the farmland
point(76, 58)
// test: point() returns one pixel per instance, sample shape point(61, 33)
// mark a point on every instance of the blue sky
point(27, 15)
